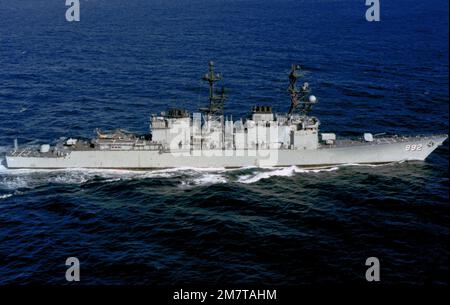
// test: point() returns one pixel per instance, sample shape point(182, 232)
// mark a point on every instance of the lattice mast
point(299, 97)
point(216, 102)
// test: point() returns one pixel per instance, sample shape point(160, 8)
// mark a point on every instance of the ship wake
point(14, 182)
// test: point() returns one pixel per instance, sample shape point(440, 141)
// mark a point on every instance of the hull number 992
point(413, 147)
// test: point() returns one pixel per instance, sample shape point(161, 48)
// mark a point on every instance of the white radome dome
point(312, 99)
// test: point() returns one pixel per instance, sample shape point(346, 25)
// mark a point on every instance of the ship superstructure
point(210, 129)
point(209, 138)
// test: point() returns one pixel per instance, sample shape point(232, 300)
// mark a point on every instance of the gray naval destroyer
point(209, 139)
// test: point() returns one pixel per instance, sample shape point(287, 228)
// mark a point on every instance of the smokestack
point(16, 144)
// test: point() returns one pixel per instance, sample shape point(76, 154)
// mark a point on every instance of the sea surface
point(127, 59)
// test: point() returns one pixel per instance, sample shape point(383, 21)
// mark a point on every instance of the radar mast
point(299, 97)
point(216, 102)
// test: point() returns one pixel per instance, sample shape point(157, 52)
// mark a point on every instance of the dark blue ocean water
point(127, 59)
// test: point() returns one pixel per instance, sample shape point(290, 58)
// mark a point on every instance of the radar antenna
point(299, 97)
point(216, 102)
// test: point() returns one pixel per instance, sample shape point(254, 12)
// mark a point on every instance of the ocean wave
point(30, 178)
point(282, 172)
point(205, 179)
point(9, 195)
point(187, 176)
point(5, 196)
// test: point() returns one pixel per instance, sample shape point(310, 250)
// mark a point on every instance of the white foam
point(316, 169)
point(26, 178)
point(292, 170)
point(112, 180)
point(13, 183)
point(68, 179)
point(5, 196)
point(209, 179)
point(282, 172)
point(16, 193)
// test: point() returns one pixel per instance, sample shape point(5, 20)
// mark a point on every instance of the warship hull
point(210, 139)
point(383, 150)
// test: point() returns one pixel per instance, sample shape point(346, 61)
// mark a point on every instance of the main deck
point(382, 150)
